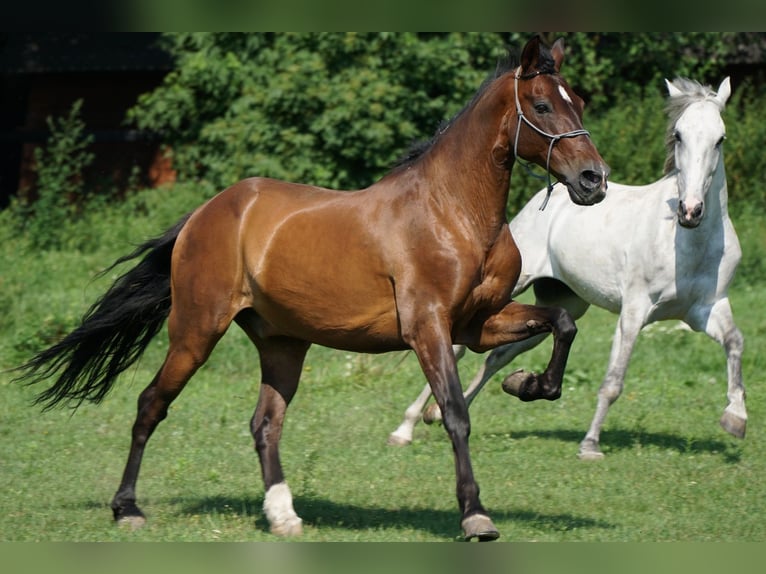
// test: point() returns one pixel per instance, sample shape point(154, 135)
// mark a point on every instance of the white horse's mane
point(692, 92)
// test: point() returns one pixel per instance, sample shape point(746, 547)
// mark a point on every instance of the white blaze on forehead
point(564, 95)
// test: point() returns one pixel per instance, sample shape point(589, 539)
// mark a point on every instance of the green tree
point(609, 66)
point(323, 108)
point(338, 109)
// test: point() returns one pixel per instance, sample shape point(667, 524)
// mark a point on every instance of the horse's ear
point(724, 91)
point(673, 92)
point(530, 55)
point(557, 51)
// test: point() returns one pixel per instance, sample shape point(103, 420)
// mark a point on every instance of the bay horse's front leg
point(517, 322)
point(430, 339)
point(402, 435)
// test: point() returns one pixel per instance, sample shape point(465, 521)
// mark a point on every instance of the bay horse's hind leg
point(281, 364)
point(189, 349)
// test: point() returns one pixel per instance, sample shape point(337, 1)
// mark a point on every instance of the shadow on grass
point(620, 439)
point(319, 513)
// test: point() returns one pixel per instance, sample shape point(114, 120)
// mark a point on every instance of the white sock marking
point(278, 507)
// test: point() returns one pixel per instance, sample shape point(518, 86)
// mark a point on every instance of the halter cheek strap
point(553, 137)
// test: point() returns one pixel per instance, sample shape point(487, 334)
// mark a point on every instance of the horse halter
point(553, 137)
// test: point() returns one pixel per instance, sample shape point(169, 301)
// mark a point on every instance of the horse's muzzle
point(591, 186)
point(689, 216)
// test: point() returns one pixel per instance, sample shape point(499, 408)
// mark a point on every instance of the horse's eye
point(677, 135)
point(542, 108)
point(720, 141)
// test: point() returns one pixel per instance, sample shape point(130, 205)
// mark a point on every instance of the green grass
point(670, 472)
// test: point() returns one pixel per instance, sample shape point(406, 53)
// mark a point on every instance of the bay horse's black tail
point(113, 333)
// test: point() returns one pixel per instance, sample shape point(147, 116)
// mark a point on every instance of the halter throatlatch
point(553, 137)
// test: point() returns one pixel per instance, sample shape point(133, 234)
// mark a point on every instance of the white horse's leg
point(402, 436)
point(628, 327)
point(719, 325)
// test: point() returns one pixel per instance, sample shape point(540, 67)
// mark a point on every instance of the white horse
point(666, 250)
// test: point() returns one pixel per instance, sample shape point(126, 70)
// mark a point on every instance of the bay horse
point(666, 250)
point(418, 260)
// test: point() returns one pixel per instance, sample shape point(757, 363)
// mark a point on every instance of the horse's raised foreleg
point(281, 364)
point(518, 322)
point(549, 293)
point(626, 333)
point(496, 360)
point(184, 357)
point(430, 339)
point(719, 325)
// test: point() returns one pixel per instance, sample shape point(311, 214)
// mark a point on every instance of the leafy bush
point(745, 136)
point(60, 186)
point(632, 124)
point(34, 315)
point(330, 109)
point(606, 67)
point(338, 109)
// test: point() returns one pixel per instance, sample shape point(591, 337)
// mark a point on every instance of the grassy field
point(670, 472)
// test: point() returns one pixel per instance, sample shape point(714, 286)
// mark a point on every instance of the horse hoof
point(396, 440)
point(589, 451)
point(127, 515)
point(733, 424)
point(131, 522)
point(288, 528)
point(515, 382)
point(479, 526)
point(432, 414)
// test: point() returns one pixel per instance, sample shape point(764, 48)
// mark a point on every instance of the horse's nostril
point(688, 216)
point(590, 179)
point(684, 211)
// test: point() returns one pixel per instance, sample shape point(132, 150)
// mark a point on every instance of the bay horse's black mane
point(505, 64)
